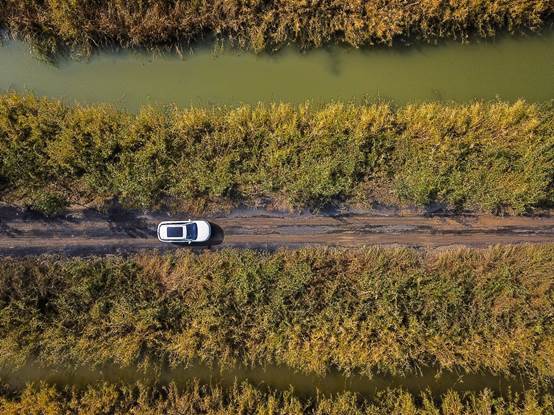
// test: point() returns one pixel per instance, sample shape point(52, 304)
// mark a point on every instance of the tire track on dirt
point(83, 232)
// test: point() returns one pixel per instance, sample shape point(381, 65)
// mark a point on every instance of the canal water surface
point(283, 379)
point(508, 68)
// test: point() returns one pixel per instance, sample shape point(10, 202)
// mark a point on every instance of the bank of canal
point(283, 379)
point(508, 68)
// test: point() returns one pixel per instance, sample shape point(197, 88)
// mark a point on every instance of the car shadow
point(218, 235)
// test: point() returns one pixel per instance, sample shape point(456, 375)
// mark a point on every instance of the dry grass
point(107, 398)
point(366, 311)
point(84, 25)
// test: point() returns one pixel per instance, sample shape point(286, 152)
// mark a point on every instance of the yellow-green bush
point(312, 310)
point(110, 398)
point(82, 25)
point(492, 157)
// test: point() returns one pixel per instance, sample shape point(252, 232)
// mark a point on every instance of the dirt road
point(85, 232)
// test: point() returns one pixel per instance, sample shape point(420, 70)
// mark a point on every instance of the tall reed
point(494, 157)
point(313, 310)
point(83, 25)
point(110, 398)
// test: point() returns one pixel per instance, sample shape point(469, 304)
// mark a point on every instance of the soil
point(88, 232)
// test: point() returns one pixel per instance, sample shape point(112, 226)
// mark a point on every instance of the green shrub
point(494, 157)
point(468, 159)
point(48, 204)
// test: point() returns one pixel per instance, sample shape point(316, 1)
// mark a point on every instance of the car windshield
point(175, 232)
point(192, 231)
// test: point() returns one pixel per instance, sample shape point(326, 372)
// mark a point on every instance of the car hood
point(203, 231)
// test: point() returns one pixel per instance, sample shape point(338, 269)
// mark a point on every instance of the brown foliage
point(311, 310)
point(85, 24)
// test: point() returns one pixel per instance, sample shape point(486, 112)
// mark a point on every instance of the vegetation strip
point(363, 311)
point(495, 157)
point(81, 26)
point(244, 398)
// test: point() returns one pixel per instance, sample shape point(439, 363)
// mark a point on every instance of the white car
point(186, 231)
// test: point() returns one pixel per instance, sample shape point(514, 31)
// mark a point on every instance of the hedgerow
point(83, 25)
point(364, 311)
point(493, 157)
point(110, 398)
